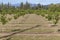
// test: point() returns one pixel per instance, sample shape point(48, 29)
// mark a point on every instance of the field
point(27, 22)
point(34, 27)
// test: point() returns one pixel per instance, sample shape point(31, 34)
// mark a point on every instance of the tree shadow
point(54, 25)
point(19, 31)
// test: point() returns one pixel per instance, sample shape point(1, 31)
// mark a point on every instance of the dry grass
point(28, 21)
point(39, 37)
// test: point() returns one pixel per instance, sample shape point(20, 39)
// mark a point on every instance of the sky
point(44, 2)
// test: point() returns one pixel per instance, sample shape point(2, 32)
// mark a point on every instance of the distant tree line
point(51, 12)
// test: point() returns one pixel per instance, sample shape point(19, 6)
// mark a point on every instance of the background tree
point(21, 5)
point(27, 5)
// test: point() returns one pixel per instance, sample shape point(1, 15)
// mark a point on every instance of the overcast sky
point(45, 2)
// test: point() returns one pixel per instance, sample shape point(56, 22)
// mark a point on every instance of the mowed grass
point(35, 37)
point(41, 30)
point(34, 30)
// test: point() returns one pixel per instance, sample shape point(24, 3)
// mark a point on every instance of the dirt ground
point(29, 21)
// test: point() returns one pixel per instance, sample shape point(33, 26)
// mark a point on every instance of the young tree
point(56, 19)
